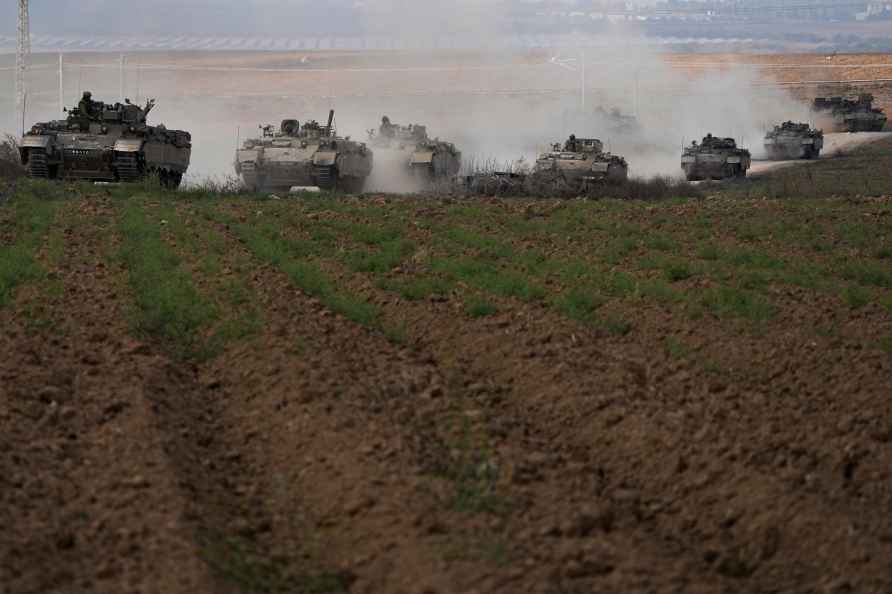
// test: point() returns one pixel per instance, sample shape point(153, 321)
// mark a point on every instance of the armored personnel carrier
point(575, 166)
point(104, 142)
point(851, 114)
point(303, 155)
point(425, 158)
point(714, 158)
point(794, 141)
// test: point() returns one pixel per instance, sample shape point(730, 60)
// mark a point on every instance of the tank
point(850, 114)
point(106, 142)
point(794, 141)
point(580, 163)
point(714, 158)
point(425, 159)
point(303, 155)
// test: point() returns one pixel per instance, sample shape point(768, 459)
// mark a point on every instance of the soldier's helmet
point(88, 95)
point(385, 120)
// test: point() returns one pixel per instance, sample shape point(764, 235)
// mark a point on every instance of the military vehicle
point(714, 158)
point(794, 141)
point(106, 142)
point(851, 114)
point(425, 158)
point(580, 163)
point(303, 155)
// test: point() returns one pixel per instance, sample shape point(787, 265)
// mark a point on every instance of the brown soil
point(317, 452)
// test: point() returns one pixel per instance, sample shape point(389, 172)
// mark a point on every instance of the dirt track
point(663, 445)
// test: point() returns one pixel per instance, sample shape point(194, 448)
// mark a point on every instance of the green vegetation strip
point(239, 561)
point(205, 250)
point(32, 215)
point(168, 306)
point(298, 260)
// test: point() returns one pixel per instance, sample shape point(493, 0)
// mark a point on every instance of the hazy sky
point(122, 17)
point(254, 17)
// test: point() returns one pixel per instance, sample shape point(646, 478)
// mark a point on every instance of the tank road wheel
point(325, 176)
point(37, 164)
point(128, 167)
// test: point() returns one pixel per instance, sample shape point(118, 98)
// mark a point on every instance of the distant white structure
point(22, 62)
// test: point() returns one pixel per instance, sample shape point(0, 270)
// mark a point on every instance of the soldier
point(387, 129)
point(87, 106)
point(571, 145)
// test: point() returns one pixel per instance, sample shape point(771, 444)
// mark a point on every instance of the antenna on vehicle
point(238, 136)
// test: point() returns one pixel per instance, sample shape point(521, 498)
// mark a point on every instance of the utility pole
point(22, 63)
point(121, 79)
point(61, 84)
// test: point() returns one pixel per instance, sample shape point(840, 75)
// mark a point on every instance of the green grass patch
point(580, 303)
point(417, 288)
point(292, 258)
point(31, 220)
point(885, 344)
point(237, 561)
point(479, 307)
point(676, 347)
point(855, 297)
point(662, 243)
point(489, 277)
point(388, 256)
point(868, 272)
point(677, 270)
point(168, 306)
point(734, 302)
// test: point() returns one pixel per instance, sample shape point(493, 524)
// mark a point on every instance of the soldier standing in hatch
point(386, 129)
point(571, 144)
point(87, 106)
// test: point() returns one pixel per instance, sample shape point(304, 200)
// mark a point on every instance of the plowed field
point(203, 393)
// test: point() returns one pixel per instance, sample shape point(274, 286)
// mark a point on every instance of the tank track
point(37, 165)
point(127, 167)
